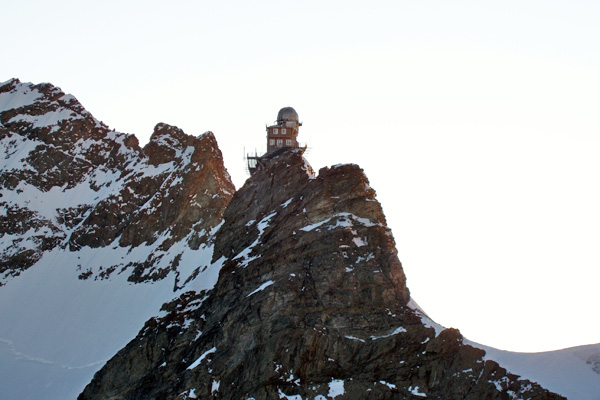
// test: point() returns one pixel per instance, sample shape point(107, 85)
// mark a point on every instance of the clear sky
point(477, 123)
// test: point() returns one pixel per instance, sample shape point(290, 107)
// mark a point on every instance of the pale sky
point(476, 122)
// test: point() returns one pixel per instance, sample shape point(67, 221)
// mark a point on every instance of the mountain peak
point(291, 287)
point(42, 110)
point(104, 186)
point(311, 297)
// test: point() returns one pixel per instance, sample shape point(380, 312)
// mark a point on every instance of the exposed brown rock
point(311, 297)
point(175, 188)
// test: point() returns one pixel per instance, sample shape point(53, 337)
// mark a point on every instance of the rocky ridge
point(289, 288)
point(68, 182)
point(96, 233)
point(311, 303)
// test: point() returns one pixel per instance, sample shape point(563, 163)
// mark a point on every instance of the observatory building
point(285, 130)
point(280, 137)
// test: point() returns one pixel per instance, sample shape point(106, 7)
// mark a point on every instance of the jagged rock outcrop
point(311, 303)
point(68, 182)
point(96, 233)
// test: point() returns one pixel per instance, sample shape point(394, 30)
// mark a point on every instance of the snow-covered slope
point(56, 330)
point(96, 234)
point(573, 372)
point(311, 303)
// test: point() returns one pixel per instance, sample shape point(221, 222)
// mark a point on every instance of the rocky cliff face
point(311, 303)
point(289, 288)
point(68, 182)
point(95, 234)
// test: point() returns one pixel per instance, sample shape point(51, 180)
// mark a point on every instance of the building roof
point(287, 114)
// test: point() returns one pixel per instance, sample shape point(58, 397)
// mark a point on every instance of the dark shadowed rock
point(311, 300)
point(311, 303)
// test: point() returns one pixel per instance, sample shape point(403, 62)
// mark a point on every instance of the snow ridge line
point(40, 360)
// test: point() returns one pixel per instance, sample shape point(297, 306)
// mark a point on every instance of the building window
point(271, 142)
point(283, 131)
point(279, 142)
point(275, 131)
point(288, 142)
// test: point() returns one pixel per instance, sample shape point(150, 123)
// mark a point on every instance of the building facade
point(285, 131)
point(280, 136)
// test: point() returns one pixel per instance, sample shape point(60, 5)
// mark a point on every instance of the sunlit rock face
point(311, 303)
point(96, 234)
point(289, 288)
point(68, 182)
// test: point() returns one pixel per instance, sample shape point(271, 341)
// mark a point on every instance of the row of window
point(288, 142)
point(275, 130)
